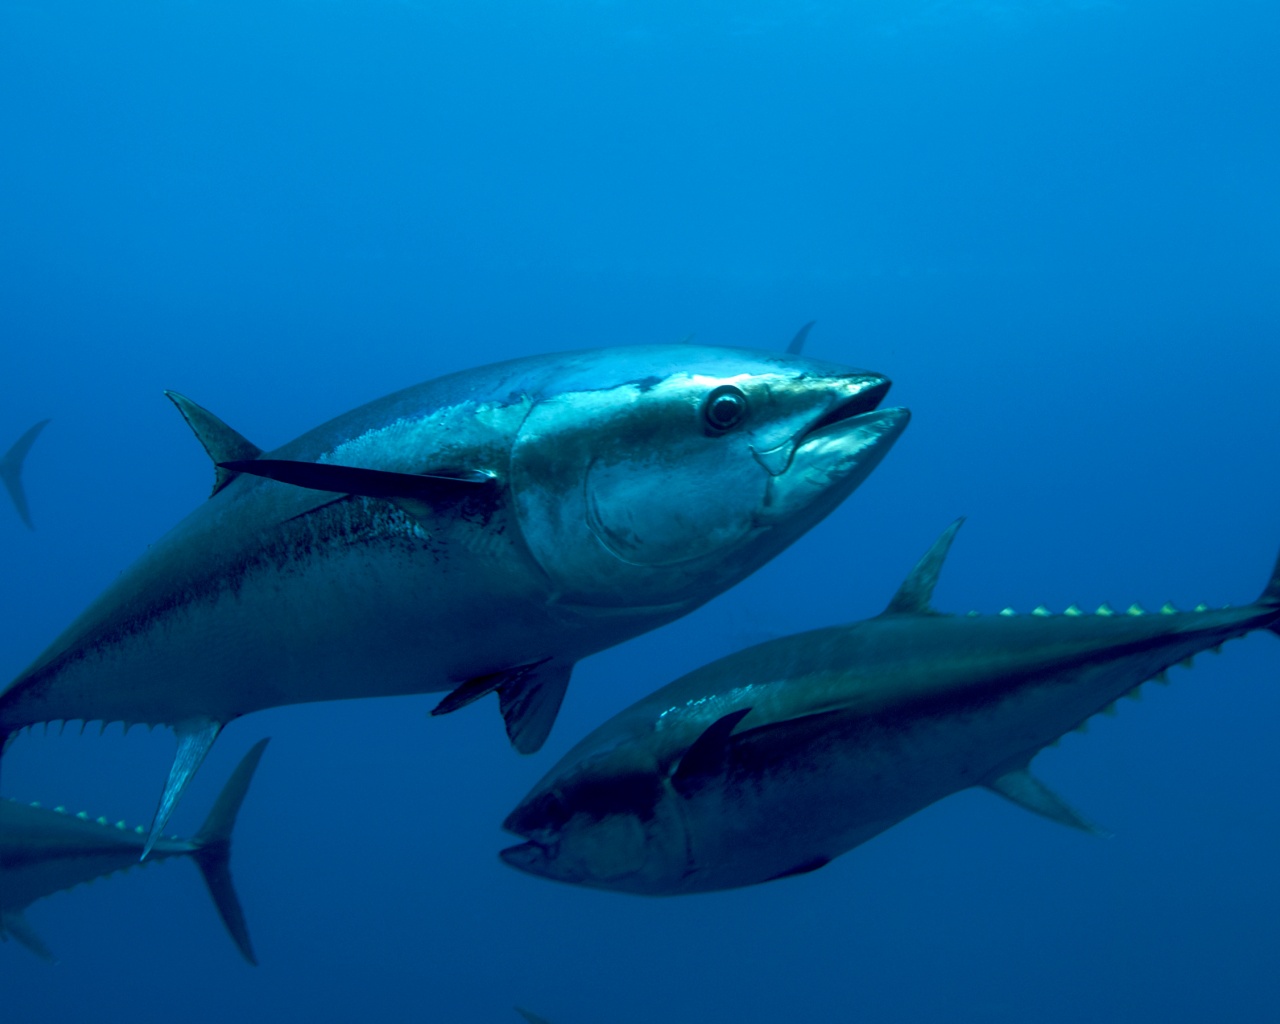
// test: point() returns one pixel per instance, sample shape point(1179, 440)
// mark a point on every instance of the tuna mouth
point(531, 857)
point(857, 408)
point(865, 400)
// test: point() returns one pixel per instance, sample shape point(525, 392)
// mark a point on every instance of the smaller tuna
point(776, 759)
point(43, 851)
point(11, 471)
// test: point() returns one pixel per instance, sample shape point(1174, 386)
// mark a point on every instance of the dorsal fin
point(220, 442)
point(797, 343)
point(916, 592)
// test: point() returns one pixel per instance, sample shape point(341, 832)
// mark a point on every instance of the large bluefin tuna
point(477, 533)
point(776, 759)
point(46, 850)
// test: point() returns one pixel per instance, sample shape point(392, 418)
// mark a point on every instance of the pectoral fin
point(708, 755)
point(414, 492)
point(13, 923)
point(529, 697)
point(1025, 790)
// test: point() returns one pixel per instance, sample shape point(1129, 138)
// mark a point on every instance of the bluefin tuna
point(774, 760)
point(46, 850)
point(478, 533)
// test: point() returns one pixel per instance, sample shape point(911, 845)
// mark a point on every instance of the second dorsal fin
point(916, 592)
point(221, 442)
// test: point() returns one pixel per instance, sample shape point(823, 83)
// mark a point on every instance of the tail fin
point(1270, 597)
point(11, 470)
point(213, 857)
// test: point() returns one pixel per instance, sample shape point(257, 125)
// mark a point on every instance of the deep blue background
point(1056, 225)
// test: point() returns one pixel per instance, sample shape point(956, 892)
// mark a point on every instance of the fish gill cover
point(1052, 224)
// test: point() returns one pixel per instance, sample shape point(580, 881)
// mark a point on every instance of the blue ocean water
point(1054, 223)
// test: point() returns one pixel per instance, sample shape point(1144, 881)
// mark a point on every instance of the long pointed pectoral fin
point(195, 738)
point(12, 922)
point(708, 755)
point(529, 697)
point(368, 483)
point(1025, 790)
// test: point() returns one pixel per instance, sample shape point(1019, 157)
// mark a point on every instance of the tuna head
point(656, 477)
point(609, 822)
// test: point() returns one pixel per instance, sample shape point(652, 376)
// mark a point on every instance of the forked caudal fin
point(213, 857)
point(1271, 595)
point(11, 471)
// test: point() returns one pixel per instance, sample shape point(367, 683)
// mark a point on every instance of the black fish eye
point(726, 407)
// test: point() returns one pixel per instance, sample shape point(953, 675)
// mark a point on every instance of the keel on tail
point(11, 471)
point(1271, 594)
point(44, 851)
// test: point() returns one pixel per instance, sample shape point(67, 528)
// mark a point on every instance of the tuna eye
point(726, 407)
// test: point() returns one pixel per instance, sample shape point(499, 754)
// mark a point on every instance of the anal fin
point(1024, 789)
point(195, 737)
point(529, 697)
point(12, 922)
